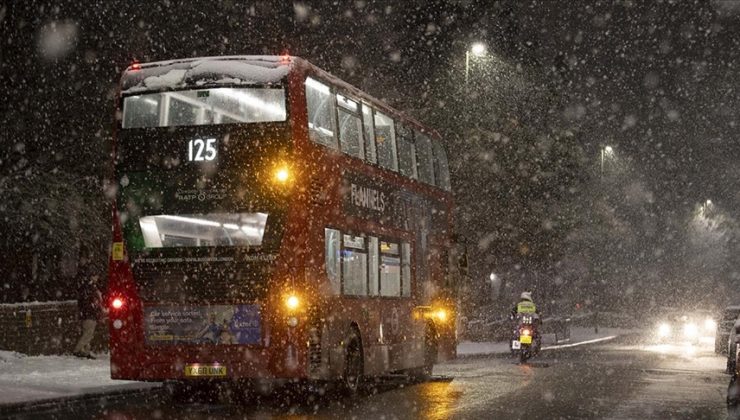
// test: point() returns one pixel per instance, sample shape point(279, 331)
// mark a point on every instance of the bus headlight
point(441, 315)
point(664, 330)
point(292, 302)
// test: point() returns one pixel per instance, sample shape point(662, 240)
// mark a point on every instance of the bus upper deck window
point(204, 107)
point(320, 107)
point(385, 141)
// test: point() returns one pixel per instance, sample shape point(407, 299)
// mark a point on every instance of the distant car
point(733, 391)
point(724, 328)
point(685, 326)
point(731, 349)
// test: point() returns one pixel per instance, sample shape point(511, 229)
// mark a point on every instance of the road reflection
point(439, 399)
point(387, 398)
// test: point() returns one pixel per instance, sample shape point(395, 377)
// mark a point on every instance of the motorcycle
point(526, 341)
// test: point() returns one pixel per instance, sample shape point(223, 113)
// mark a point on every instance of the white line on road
point(580, 343)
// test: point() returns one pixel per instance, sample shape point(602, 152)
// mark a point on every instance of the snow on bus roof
point(231, 70)
point(235, 70)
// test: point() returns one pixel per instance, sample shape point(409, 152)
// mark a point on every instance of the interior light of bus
point(117, 303)
point(292, 302)
point(282, 174)
point(191, 220)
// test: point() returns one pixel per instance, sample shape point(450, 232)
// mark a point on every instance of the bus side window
point(406, 154)
point(373, 266)
point(350, 127)
point(354, 265)
point(332, 262)
point(424, 158)
point(369, 134)
point(390, 269)
point(405, 269)
point(441, 168)
point(320, 107)
point(385, 139)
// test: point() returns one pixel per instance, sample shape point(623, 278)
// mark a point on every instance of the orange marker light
point(292, 302)
point(282, 175)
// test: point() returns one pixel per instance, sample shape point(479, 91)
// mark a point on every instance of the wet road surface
point(622, 379)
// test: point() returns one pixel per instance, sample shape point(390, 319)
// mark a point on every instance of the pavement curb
point(36, 406)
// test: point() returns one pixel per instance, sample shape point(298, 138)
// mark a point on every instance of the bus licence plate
point(204, 370)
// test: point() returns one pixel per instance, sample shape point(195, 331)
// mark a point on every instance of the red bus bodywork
point(391, 328)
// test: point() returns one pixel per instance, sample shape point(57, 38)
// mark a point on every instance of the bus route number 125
point(200, 150)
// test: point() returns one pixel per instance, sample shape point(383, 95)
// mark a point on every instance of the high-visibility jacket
point(526, 307)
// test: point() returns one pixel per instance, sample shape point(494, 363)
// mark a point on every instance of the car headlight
point(664, 330)
point(690, 330)
point(710, 324)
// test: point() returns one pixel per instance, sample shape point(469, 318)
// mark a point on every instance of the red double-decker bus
point(273, 222)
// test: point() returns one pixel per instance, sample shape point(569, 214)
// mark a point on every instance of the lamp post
point(478, 50)
point(607, 150)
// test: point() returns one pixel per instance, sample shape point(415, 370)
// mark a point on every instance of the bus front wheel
point(430, 356)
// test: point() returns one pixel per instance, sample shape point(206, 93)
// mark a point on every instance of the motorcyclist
point(525, 305)
point(525, 312)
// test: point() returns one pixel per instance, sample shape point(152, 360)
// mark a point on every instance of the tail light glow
point(117, 303)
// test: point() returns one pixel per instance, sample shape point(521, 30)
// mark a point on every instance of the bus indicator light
point(292, 302)
point(282, 175)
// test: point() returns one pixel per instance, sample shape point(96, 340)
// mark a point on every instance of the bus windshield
point(204, 107)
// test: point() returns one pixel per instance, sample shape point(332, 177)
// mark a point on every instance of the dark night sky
point(656, 80)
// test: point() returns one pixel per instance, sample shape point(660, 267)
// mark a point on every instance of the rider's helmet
point(526, 296)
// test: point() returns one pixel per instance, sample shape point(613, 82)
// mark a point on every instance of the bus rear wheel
point(353, 365)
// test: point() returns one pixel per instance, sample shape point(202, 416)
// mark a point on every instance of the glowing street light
point(478, 49)
point(605, 151)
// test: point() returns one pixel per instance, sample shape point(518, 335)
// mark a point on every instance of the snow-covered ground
point(35, 378)
point(31, 379)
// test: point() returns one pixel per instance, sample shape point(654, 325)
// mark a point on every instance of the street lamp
point(478, 49)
